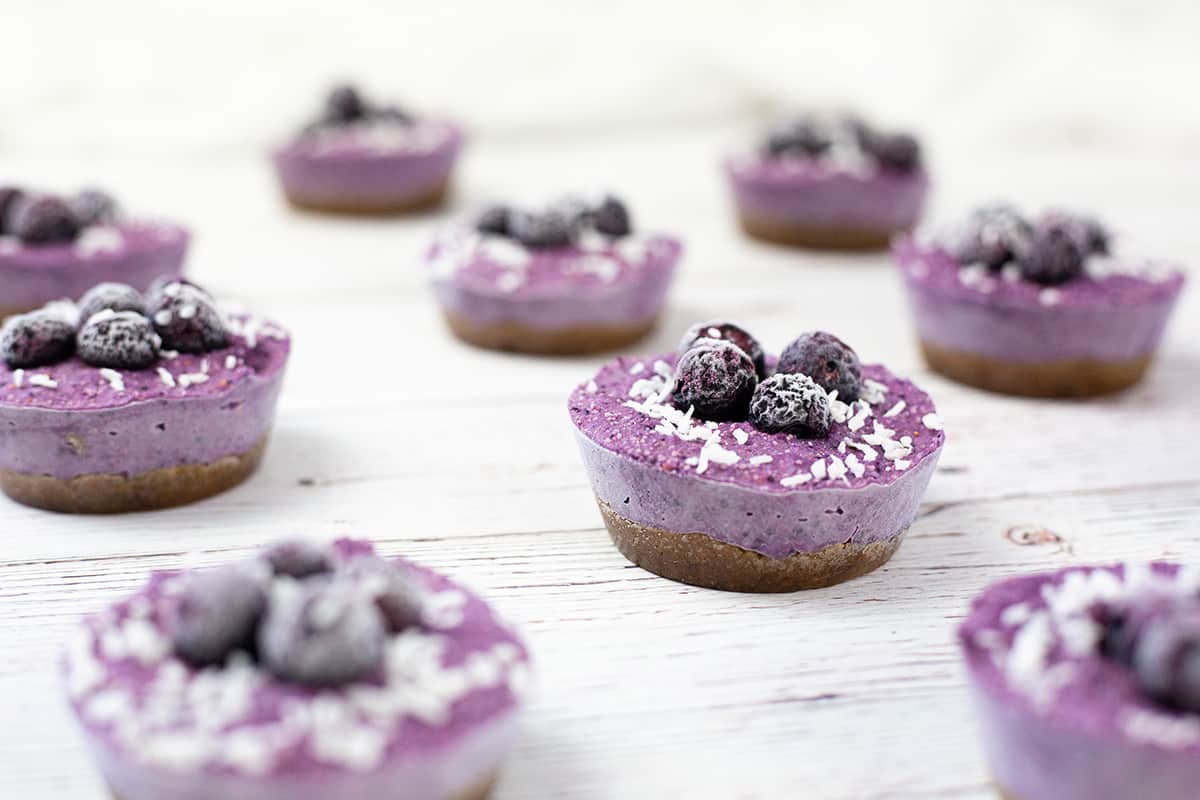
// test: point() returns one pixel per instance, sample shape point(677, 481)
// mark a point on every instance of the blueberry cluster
point(721, 374)
point(559, 225)
point(42, 218)
point(1159, 639)
point(116, 327)
point(345, 105)
point(300, 613)
point(812, 137)
point(1050, 250)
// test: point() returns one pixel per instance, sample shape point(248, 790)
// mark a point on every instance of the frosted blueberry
point(36, 339)
point(43, 220)
point(118, 339)
point(186, 319)
point(216, 613)
point(791, 403)
point(827, 360)
point(299, 558)
point(730, 333)
point(393, 589)
point(112, 296)
point(716, 378)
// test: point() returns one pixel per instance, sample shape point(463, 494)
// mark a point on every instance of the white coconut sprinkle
point(169, 355)
point(1050, 296)
point(591, 387)
point(759, 460)
point(637, 369)
point(855, 466)
point(896, 409)
point(191, 378)
point(510, 281)
point(166, 377)
point(901, 464)
point(713, 452)
point(18, 377)
point(1169, 731)
point(873, 391)
point(231, 361)
point(860, 416)
point(795, 480)
point(43, 380)
point(869, 453)
point(114, 379)
point(837, 469)
point(162, 317)
point(740, 435)
point(932, 421)
point(818, 470)
point(204, 366)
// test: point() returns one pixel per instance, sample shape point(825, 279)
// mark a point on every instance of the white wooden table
point(463, 459)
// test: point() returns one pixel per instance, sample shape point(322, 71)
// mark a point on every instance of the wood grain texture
point(389, 428)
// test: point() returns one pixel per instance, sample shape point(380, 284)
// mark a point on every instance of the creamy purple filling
point(70, 419)
point(598, 280)
point(772, 493)
point(1060, 721)
point(134, 253)
point(1116, 311)
point(436, 721)
point(371, 161)
point(812, 192)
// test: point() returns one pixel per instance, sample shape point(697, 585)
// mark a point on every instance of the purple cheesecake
point(359, 158)
point(724, 468)
point(101, 414)
point(1043, 308)
point(1087, 682)
point(53, 247)
point(313, 672)
point(575, 278)
point(834, 183)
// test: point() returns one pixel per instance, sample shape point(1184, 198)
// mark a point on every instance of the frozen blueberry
point(800, 137)
point(611, 218)
point(394, 590)
point(118, 339)
point(730, 333)
point(994, 236)
point(716, 378)
point(321, 633)
point(1123, 628)
point(550, 228)
point(493, 220)
point(1057, 254)
point(93, 207)
point(44, 220)
point(112, 296)
point(215, 613)
point(899, 152)
point(827, 360)
point(36, 339)
point(186, 319)
point(10, 197)
point(299, 558)
point(344, 104)
point(791, 403)
point(1166, 659)
point(392, 113)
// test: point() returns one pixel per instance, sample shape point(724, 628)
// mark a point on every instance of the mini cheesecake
point(573, 279)
point(358, 158)
point(309, 673)
point(834, 183)
point(720, 467)
point(1042, 308)
point(1086, 682)
point(55, 247)
point(103, 415)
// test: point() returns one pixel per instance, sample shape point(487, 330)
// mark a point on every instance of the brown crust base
point(364, 207)
point(819, 236)
point(116, 494)
point(703, 561)
point(481, 791)
point(1051, 379)
point(573, 341)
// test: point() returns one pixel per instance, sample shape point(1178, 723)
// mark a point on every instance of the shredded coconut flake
point(114, 379)
point(896, 409)
point(740, 435)
point(760, 459)
point(43, 380)
point(932, 421)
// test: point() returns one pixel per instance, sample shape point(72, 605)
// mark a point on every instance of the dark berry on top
point(118, 339)
point(299, 558)
point(44, 220)
point(393, 589)
point(392, 114)
point(716, 378)
point(994, 236)
point(1096, 235)
point(801, 137)
point(216, 613)
point(36, 339)
point(829, 361)
point(730, 333)
point(1166, 659)
point(1057, 254)
point(93, 207)
point(493, 220)
point(186, 319)
point(791, 403)
point(894, 151)
point(344, 104)
point(10, 196)
point(611, 218)
point(111, 296)
point(321, 633)
point(549, 228)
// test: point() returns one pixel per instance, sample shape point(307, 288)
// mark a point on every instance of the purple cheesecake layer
point(1115, 312)
point(492, 279)
point(371, 162)
point(133, 252)
point(70, 419)
point(815, 193)
point(1060, 721)
point(434, 723)
point(775, 494)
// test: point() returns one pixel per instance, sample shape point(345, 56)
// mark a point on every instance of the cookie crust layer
point(700, 560)
point(574, 340)
point(354, 204)
point(824, 237)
